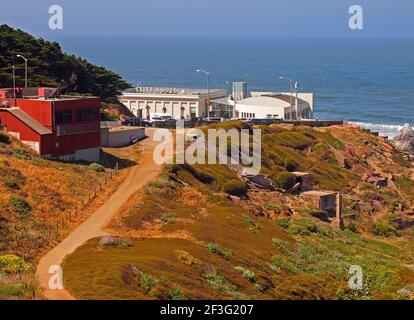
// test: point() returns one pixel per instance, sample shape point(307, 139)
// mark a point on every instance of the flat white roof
point(167, 91)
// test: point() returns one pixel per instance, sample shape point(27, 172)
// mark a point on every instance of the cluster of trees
point(49, 65)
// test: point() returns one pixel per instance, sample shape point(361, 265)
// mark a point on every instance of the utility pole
point(291, 92)
point(25, 69)
point(14, 85)
point(296, 102)
point(208, 74)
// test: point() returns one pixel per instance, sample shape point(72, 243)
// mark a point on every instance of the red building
point(65, 127)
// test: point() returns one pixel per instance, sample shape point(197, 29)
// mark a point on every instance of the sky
point(211, 18)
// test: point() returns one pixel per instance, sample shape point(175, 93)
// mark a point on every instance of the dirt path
point(95, 225)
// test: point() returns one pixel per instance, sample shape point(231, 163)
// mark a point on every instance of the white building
point(264, 105)
point(178, 103)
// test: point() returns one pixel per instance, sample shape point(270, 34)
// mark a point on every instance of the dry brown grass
point(52, 190)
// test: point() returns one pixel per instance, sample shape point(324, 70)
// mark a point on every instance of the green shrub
point(286, 180)
point(22, 153)
point(283, 222)
point(383, 229)
point(20, 206)
point(220, 283)
point(168, 217)
point(235, 188)
point(11, 182)
point(110, 241)
point(10, 263)
point(13, 290)
point(147, 282)
point(302, 228)
point(281, 264)
point(247, 274)
point(215, 249)
point(176, 294)
point(279, 245)
point(290, 165)
point(97, 167)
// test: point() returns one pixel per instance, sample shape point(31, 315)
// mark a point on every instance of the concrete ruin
point(305, 180)
point(328, 201)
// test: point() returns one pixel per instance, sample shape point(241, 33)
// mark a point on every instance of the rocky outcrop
point(404, 141)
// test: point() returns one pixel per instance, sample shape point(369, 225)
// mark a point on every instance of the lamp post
point(139, 86)
point(207, 73)
point(291, 82)
point(14, 85)
point(25, 68)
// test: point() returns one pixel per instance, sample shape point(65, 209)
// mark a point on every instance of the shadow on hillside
point(109, 160)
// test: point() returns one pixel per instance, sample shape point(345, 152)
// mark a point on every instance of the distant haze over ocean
point(368, 81)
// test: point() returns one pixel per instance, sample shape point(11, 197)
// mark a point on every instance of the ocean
point(365, 81)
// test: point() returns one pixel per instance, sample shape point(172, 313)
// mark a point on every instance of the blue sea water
point(368, 81)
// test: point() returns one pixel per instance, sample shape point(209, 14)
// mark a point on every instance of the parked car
point(136, 122)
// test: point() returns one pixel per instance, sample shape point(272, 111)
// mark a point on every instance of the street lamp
point(25, 68)
point(291, 84)
point(139, 86)
point(14, 85)
point(207, 73)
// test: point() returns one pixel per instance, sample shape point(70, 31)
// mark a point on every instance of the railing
point(70, 129)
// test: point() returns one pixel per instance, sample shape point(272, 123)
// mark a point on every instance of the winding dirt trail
point(95, 225)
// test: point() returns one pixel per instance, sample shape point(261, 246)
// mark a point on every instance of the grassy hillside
point(185, 238)
point(48, 65)
point(36, 198)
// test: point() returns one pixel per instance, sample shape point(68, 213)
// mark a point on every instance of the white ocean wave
point(384, 129)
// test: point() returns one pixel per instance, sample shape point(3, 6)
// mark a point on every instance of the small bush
point(235, 188)
point(290, 165)
point(13, 290)
point(383, 229)
point(283, 222)
point(246, 273)
point(176, 294)
point(280, 264)
point(168, 217)
point(109, 241)
point(285, 180)
point(186, 258)
point(20, 206)
point(147, 282)
point(279, 245)
point(302, 228)
point(97, 167)
point(11, 182)
point(10, 263)
point(220, 283)
point(215, 249)
point(22, 153)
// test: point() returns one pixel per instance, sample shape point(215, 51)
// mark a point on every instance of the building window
point(92, 114)
point(64, 117)
point(81, 115)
